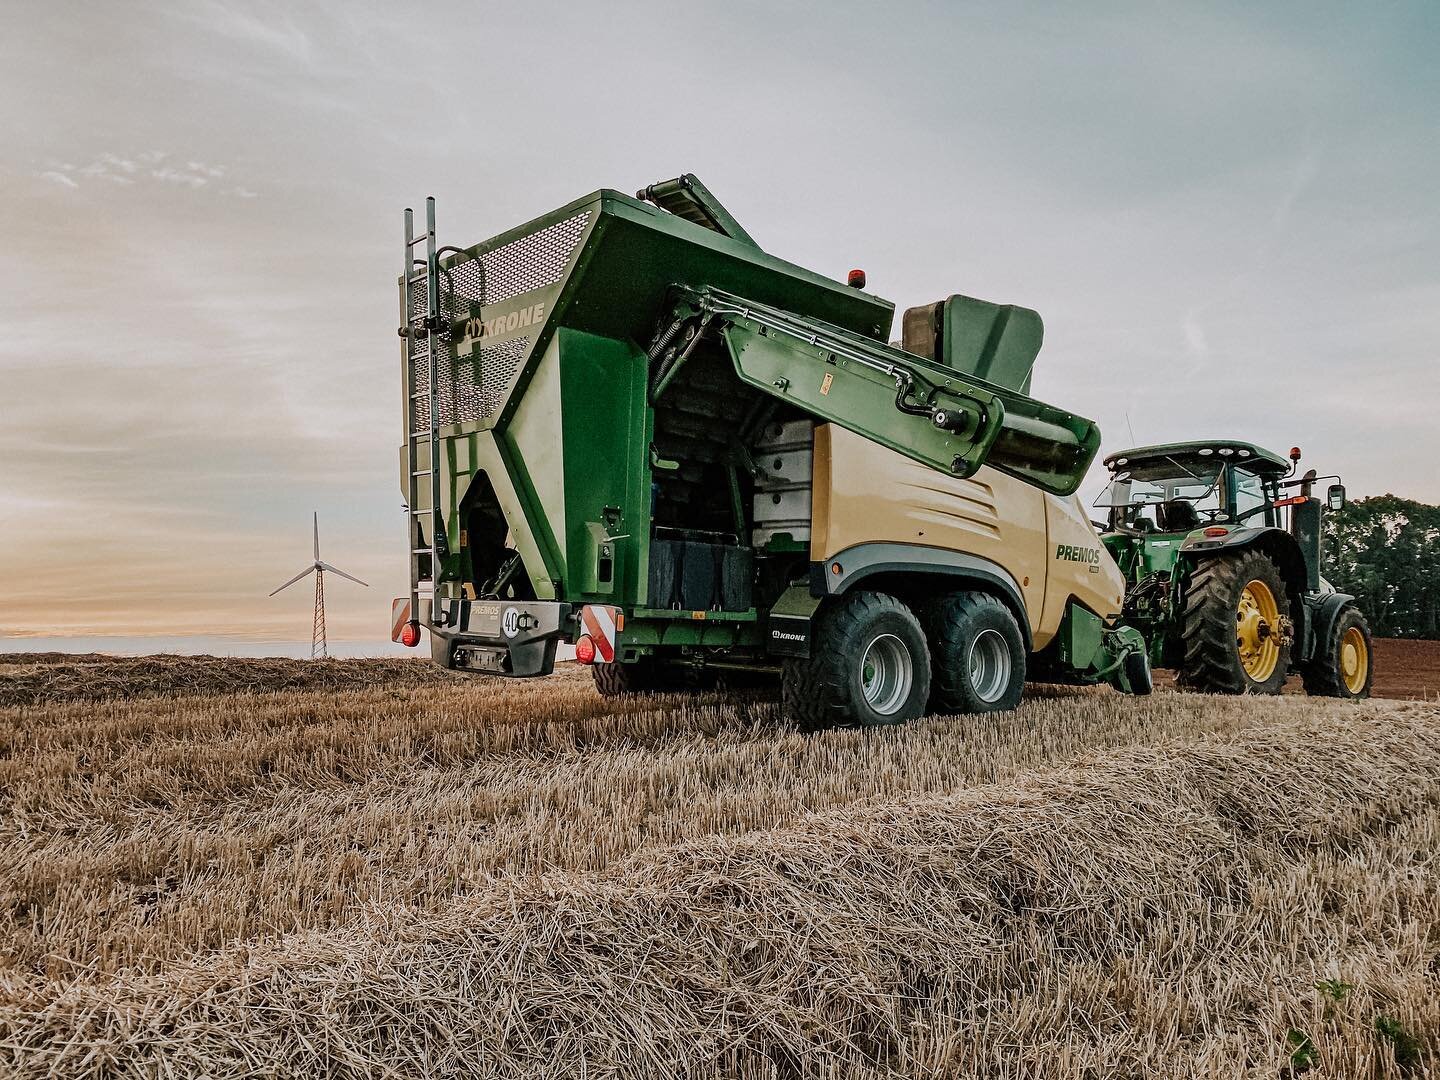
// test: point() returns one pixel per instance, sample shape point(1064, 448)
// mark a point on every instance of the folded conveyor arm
point(948, 420)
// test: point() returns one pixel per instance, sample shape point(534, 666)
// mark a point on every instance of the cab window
point(1249, 493)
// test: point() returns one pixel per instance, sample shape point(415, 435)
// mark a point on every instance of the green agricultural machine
point(1220, 544)
point(630, 429)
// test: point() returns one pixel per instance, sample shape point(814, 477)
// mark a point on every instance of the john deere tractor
point(1220, 545)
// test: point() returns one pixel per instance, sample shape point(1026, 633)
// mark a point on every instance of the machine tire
point(955, 625)
point(1326, 675)
point(1214, 597)
point(829, 688)
point(643, 676)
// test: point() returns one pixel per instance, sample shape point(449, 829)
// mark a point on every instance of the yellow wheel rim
point(1257, 630)
point(1354, 660)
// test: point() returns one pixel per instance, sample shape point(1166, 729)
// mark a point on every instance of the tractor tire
point(1344, 663)
point(1233, 642)
point(977, 655)
point(869, 665)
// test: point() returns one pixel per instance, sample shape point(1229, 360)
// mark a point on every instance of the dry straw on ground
point(499, 879)
point(35, 678)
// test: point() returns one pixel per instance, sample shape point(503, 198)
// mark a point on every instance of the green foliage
point(1385, 551)
point(1405, 1046)
point(1334, 989)
point(1303, 1057)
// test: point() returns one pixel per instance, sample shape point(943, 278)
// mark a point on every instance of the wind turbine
point(318, 647)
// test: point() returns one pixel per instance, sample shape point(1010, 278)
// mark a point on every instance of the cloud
point(151, 165)
point(177, 176)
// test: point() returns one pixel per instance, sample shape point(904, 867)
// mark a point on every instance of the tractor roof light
point(856, 279)
point(1225, 451)
point(585, 649)
point(1294, 453)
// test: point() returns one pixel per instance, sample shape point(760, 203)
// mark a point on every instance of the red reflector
point(410, 635)
point(1216, 530)
point(856, 280)
point(585, 649)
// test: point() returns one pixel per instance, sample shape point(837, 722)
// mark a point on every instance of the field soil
point(369, 868)
point(1407, 669)
point(1404, 669)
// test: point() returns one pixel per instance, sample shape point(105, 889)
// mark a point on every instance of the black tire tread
point(1211, 661)
point(638, 677)
point(1321, 675)
point(945, 620)
point(814, 690)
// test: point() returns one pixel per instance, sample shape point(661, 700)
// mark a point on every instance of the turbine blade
point(297, 577)
point(317, 536)
point(342, 573)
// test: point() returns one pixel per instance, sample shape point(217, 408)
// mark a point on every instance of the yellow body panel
point(865, 493)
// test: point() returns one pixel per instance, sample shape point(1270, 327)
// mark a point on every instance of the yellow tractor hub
point(1354, 660)
point(1257, 631)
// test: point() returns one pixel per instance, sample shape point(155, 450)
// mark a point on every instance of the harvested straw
point(1155, 912)
point(35, 678)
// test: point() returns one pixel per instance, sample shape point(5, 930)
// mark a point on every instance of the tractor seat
point(1177, 515)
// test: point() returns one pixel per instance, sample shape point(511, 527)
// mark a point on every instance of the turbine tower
point(318, 647)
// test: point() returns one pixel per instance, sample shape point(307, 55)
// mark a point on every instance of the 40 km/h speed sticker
point(510, 622)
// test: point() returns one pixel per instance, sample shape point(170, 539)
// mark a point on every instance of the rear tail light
point(410, 635)
point(585, 649)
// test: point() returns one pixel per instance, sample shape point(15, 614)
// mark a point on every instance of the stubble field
point(371, 868)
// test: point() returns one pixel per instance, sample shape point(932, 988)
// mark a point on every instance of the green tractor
point(1219, 544)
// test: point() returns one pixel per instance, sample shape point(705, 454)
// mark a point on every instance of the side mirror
point(1335, 497)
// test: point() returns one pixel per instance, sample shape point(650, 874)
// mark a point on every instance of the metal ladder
point(422, 447)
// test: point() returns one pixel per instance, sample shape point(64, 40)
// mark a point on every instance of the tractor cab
point(1181, 487)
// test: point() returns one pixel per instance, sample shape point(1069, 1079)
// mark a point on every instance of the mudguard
point(862, 561)
point(1197, 543)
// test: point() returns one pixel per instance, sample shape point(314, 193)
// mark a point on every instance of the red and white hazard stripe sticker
point(603, 624)
point(399, 616)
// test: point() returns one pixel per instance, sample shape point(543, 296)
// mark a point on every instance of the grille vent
point(476, 387)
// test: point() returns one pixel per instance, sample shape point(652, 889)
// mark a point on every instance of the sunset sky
point(1226, 214)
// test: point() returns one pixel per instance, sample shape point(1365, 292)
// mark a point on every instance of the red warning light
point(856, 280)
point(410, 635)
point(585, 649)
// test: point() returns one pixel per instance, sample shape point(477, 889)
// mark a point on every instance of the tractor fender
point(1282, 550)
point(1324, 610)
point(917, 570)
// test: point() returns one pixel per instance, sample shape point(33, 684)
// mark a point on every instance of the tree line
point(1385, 550)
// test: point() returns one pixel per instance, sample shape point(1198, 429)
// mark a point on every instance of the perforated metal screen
point(472, 388)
